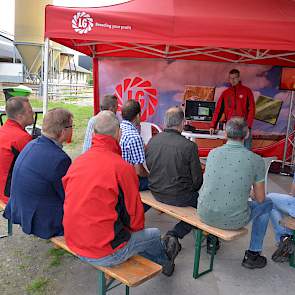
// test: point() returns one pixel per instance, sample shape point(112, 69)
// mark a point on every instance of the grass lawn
point(81, 117)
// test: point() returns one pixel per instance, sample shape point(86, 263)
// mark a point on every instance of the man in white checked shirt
point(131, 142)
point(108, 103)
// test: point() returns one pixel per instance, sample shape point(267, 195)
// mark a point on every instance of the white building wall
point(11, 72)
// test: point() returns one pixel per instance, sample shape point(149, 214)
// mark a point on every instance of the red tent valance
point(230, 31)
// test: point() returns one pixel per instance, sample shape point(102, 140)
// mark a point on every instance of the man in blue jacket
point(37, 195)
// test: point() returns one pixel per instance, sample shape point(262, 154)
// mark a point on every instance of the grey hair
point(106, 123)
point(173, 117)
point(236, 128)
point(108, 103)
point(15, 106)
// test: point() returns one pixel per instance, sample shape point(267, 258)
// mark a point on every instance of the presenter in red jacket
point(103, 213)
point(235, 101)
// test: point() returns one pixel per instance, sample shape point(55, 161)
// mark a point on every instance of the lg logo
point(82, 23)
point(142, 91)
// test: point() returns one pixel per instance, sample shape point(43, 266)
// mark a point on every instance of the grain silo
point(29, 34)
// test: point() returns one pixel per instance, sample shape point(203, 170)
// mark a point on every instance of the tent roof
point(231, 31)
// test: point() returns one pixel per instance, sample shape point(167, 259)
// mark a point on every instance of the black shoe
point(172, 248)
point(285, 248)
point(168, 268)
point(254, 260)
point(210, 243)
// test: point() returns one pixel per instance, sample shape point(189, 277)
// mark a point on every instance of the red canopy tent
point(229, 31)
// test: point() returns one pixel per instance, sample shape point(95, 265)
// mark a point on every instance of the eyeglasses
point(70, 126)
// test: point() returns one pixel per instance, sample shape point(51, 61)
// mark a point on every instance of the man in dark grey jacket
point(175, 169)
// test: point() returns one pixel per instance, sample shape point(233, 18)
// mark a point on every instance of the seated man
point(131, 142)
point(283, 205)
point(175, 168)
point(13, 138)
point(103, 213)
point(37, 195)
point(108, 103)
point(230, 172)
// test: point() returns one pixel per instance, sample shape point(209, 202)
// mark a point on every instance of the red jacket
point(235, 101)
point(13, 139)
point(102, 202)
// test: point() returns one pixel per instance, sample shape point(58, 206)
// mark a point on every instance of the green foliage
point(37, 286)
point(56, 255)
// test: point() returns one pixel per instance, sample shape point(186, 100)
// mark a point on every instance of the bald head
point(106, 123)
point(174, 118)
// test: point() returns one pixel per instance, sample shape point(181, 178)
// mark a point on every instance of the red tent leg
point(95, 85)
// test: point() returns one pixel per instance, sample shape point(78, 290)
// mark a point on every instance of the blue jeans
point(260, 213)
point(282, 205)
point(146, 242)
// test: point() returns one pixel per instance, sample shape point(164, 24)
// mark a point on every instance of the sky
point(7, 10)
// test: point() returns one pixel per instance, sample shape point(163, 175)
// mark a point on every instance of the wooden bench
point(289, 222)
point(189, 215)
point(133, 272)
point(9, 223)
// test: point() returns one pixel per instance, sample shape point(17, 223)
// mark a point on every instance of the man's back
point(231, 170)
point(175, 169)
point(37, 194)
point(102, 200)
point(12, 138)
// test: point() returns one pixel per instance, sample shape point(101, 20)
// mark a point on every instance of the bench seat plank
point(131, 273)
point(2, 205)
point(288, 222)
point(189, 215)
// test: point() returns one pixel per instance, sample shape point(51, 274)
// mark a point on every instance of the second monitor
point(199, 110)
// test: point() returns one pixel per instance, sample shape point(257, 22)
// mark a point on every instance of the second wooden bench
point(189, 215)
point(133, 272)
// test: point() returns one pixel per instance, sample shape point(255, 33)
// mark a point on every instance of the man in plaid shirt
point(131, 142)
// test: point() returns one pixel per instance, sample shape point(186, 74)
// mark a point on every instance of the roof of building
point(76, 68)
point(7, 48)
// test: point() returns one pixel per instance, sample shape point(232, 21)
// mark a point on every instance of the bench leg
point(9, 227)
point(104, 286)
point(292, 256)
point(102, 290)
point(198, 245)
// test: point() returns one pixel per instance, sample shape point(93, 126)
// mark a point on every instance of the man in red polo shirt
point(13, 139)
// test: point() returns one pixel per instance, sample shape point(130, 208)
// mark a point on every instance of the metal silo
point(29, 34)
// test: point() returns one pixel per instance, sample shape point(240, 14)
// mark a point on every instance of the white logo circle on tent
point(82, 23)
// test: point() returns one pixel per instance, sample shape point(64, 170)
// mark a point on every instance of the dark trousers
point(144, 186)
point(182, 228)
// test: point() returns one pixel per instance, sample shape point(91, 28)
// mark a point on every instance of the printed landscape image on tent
point(216, 31)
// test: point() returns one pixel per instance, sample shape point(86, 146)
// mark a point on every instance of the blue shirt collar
point(236, 143)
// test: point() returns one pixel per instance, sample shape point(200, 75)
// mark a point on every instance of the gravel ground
point(30, 265)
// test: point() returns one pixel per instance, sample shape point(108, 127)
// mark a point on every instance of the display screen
point(203, 111)
point(199, 110)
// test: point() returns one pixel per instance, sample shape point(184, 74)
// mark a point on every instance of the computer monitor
point(199, 110)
